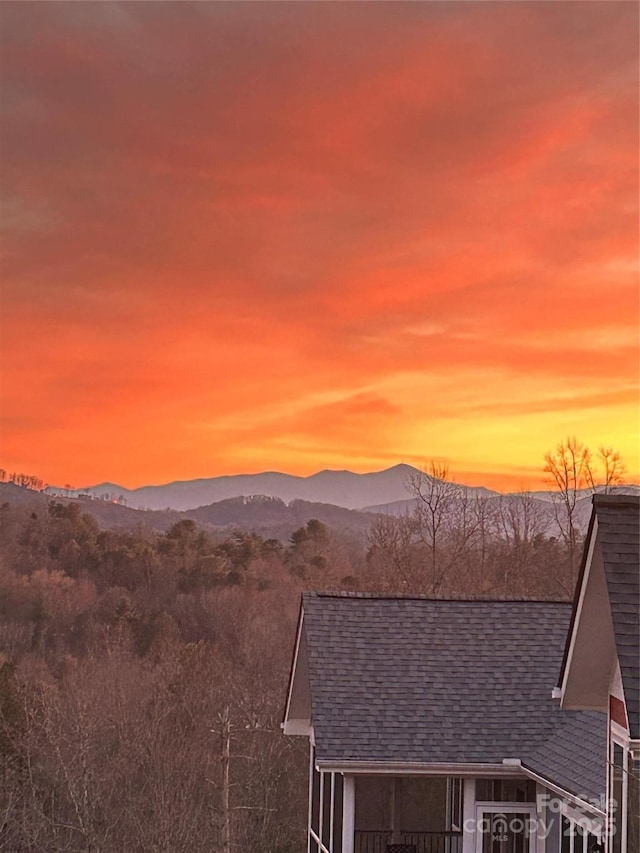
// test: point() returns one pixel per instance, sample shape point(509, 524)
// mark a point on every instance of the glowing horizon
point(241, 237)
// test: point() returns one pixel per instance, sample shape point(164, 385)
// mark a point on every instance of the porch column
point(310, 809)
point(395, 810)
point(348, 814)
point(469, 816)
point(541, 819)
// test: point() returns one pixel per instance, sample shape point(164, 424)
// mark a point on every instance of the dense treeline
point(131, 662)
point(122, 654)
point(25, 481)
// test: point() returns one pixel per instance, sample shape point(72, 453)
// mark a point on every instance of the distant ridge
point(383, 491)
point(340, 488)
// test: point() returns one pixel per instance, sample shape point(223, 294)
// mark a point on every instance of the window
point(617, 805)
point(314, 824)
point(326, 791)
point(408, 805)
point(338, 796)
point(422, 804)
point(576, 838)
point(454, 804)
point(374, 795)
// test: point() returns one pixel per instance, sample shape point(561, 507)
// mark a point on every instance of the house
point(601, 669)
point(434, 728)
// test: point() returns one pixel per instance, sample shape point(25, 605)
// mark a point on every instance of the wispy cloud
point(217, 209)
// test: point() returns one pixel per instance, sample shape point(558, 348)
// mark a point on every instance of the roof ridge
point(423, 597)
point(608, 499)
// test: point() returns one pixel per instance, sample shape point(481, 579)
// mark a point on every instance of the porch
point(384, 814)
point(423, 814)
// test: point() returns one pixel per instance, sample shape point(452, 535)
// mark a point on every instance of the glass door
point(506, 829)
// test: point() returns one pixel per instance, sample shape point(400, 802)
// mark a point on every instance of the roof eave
point(588, 548)
point(292, 671)
point(422, 768)
point(512, 769)
point(567, 795)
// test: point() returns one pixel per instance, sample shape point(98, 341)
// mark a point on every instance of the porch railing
point(376, 841)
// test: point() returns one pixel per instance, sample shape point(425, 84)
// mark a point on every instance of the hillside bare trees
point(113, 676)
point(25, 481)
point(453, 540)
point(142, 675)
point(572, 469)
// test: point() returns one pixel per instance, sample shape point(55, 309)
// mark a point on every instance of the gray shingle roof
point(619, 537)
point(419, 680)
point(575, 755)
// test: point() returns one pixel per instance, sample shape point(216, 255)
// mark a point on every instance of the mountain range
point(340, 488)
point(272, 504)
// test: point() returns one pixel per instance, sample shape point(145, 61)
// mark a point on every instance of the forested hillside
point(131, 660)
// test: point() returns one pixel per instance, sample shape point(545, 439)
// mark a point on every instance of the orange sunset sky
point(293, 236)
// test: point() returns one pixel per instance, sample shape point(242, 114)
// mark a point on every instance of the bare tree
point(570, 470)
point(391, 550)
point(446, 520)
point(521, 519)
point(613, 467)
point(485, 511)
point(225, 756)
point(436, 495)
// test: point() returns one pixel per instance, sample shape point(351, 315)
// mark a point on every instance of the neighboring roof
point(616, 522)
point(574, 756)
point(418, 680)
point(618, 533)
